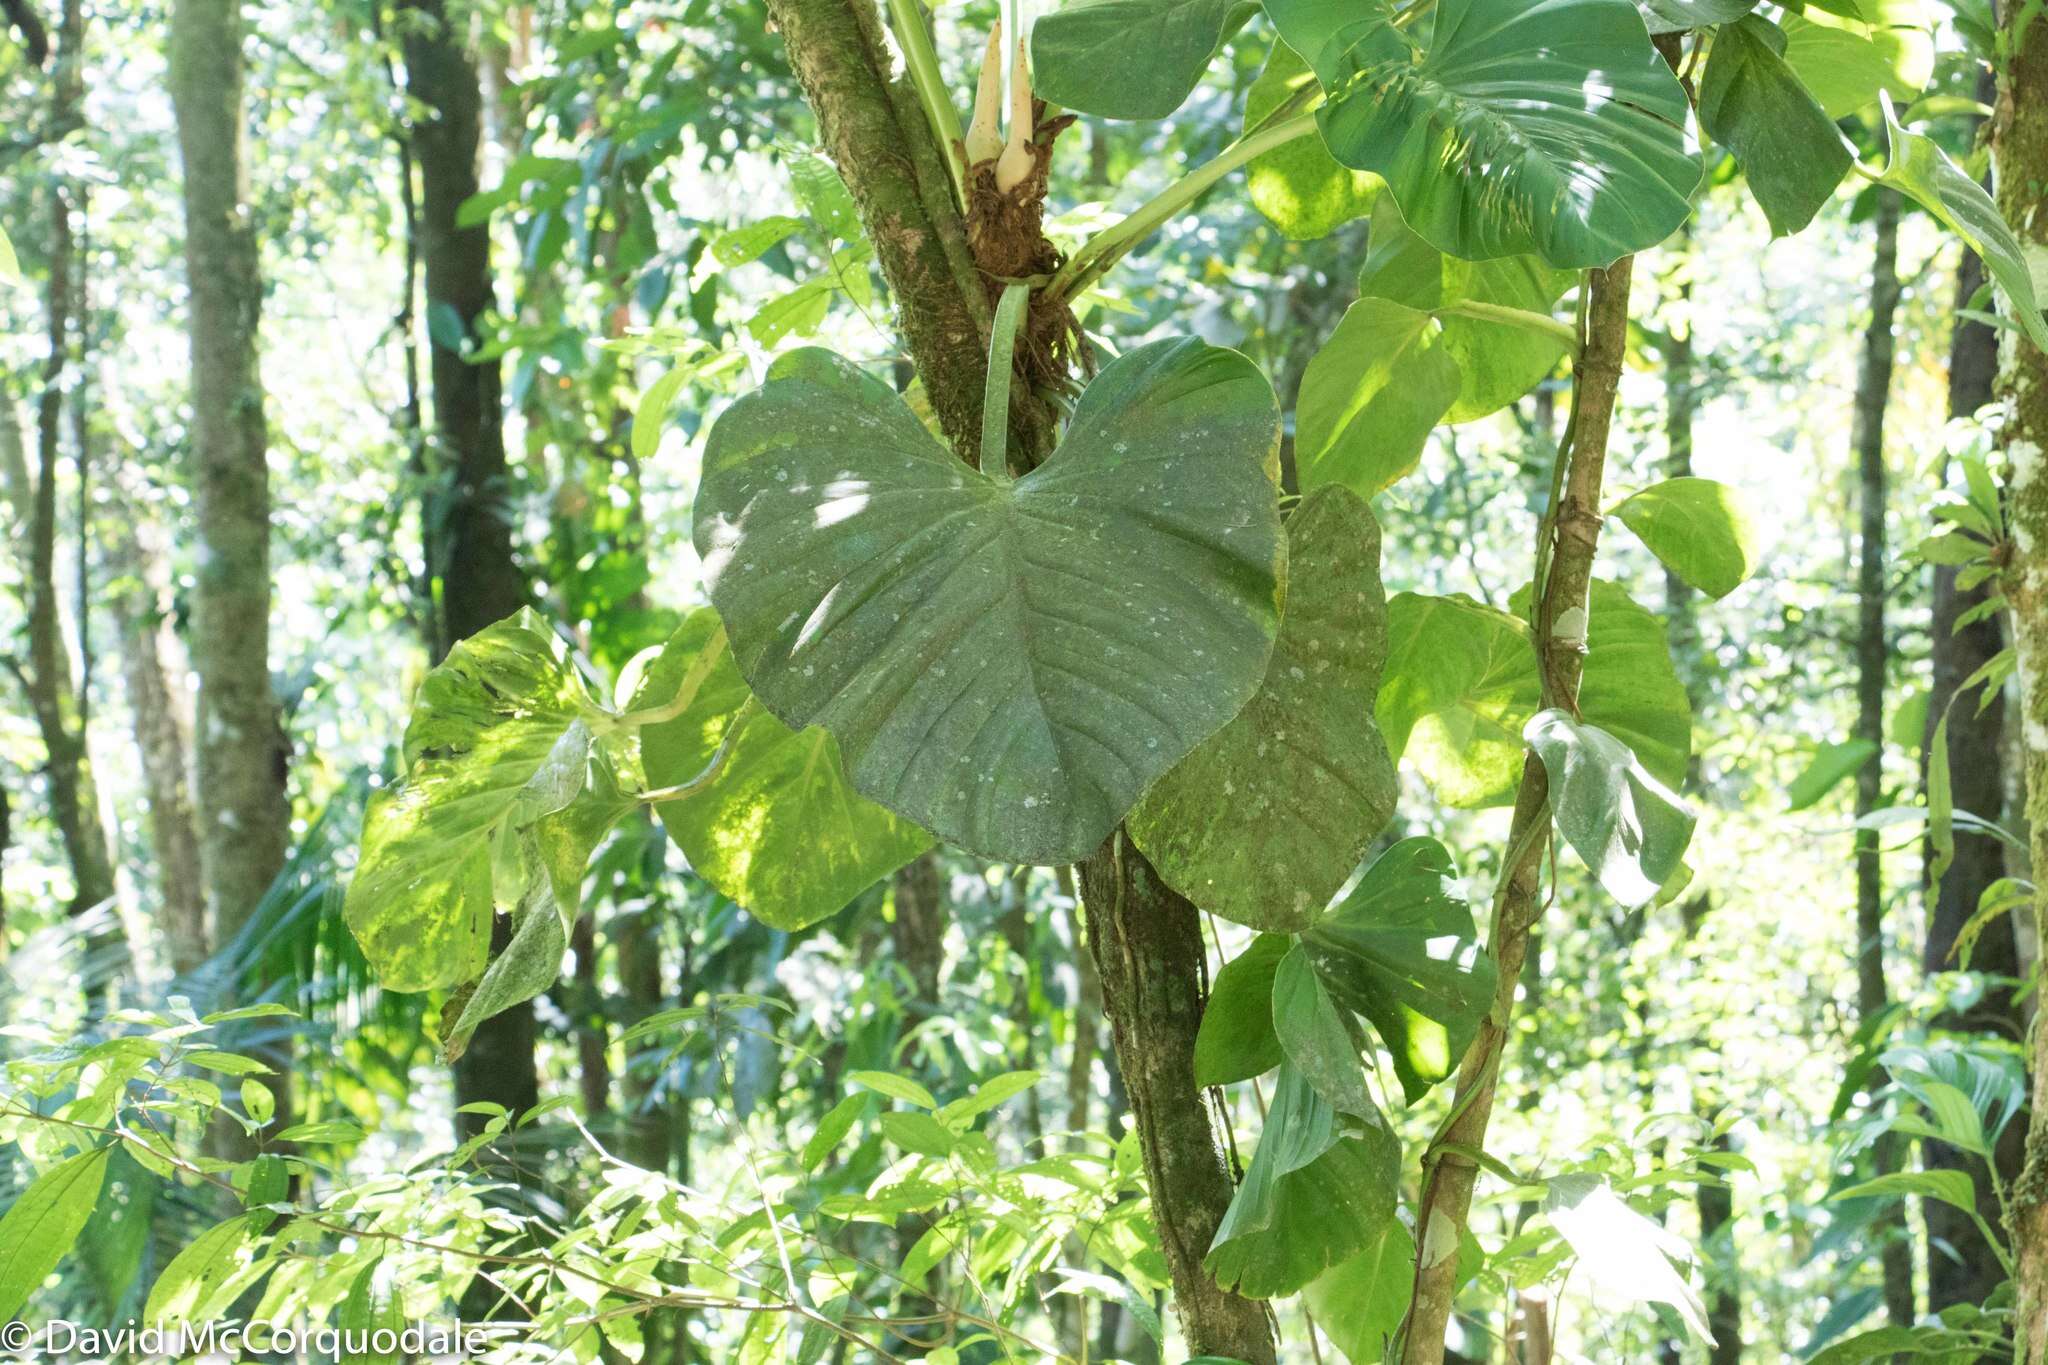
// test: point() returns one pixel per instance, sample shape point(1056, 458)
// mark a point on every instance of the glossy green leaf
point(1847, 61)
point(1236, 1040)
point(1461, 682)
point(1623, 1252)
point(43, 1223)
point(1359, 1303)
point(894, 1086)
point(1314, 1037)
point(1831, 763)
point(373, 1303)
point(1551, 127)
point(1497, 362)
point(1698, 528)
point(203, 1279)
point(1298, 185)
point(1629, 828)
point(832, 1130)
point(1008, 664)
point(1371, 396)
point(1676, 16)
point(530, 962)
point(564, 840)
point(779, 829)
point(1082, 54)
point(1950, 1186)
point(1401, 950)
point(1921, 171)
point(1263, 822)
point(1320, 1189)
point(497, 740)
point(1752, 103)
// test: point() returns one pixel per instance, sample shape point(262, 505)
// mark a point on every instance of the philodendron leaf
point(1320, 1189)
point(1461, 683)
point(529, 964)
point(1497, 361)
point(1622, 1251)
point(1359, 1304)
point(1314, 1037)
point(1236, 1040)
point(1921, 171)
point(497, 741)
point(1401, 951)
point(1551, 127)
point(1008, 664)
point(1082, 54)
point(1830, 764)
point(1752, 103)
point(1698, 528)
point(1865, 49)
point(1630, 829)
point(1371, 396)
point(1676, 16)
point(1262, 823)
point(778, 829)
point(1298, 185)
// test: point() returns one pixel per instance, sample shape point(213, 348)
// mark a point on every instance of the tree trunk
point(468, 538)
point(2019, 150)
point(1447, 1188)
point(1873, 389)
point(242, 756)
point(162, 730)
point(1147, 946)
point(918, 928)
point(1961, 1267)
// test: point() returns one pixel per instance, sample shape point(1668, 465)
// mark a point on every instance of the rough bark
point(468, 538)
point(918, 928)
point(883, 147)
point(1447, 1188)
point(1961, 1267)
point(1147, 944)
point(1866, 439)
point(150, 657)
point(636, 937)
point(242, 757)
point(2019, 149)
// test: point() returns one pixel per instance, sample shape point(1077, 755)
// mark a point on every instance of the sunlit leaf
point(1298, 185)
point(1752, 102)
point(1370, 397)
point(1699, 528)
point(1081, 54)
point(1629, 828)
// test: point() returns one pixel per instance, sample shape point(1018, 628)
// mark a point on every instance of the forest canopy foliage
point(1155, 680)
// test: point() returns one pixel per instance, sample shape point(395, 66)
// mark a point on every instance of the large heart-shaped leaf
point(1753, 104)
point(1461, 683)
point(1864, 49)
point(1921, 171)
point(1360, 1303)
point(1266, 818)
point(1699, 528)
point(1401, 950)
point(1630, 829)
point(1551, 127)
point(1298, 185)
point(1497, 361)
point(497, 741)
point(1081, 54)
point(778, 828)
point(1676, 16)
point(1009, 665)
point(1321, 1187)
point(1371, 396)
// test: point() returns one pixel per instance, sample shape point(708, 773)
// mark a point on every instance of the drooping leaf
point(1848, 59)
point(1401, 950)
point(373, 1303)
point(1320, 1189)
point(1236, 1040)
point(1676, 16)
point(44, 1221)
point(1313, 1036)
point(1622, 1251)
point(530, 963)
point(1950, 1186)
point(1921, 171)
point(1298, 185)
point(1371, 396)
point(1461, 682)
point(564, 840)
point(1629, 828)
point(1262, 823)
point(496, 741)
point(778, 829)
point(1008, 664)
point(1752, 103)
point(1359, 1303)
point(1551, 127)
point(1698, 528)
point(1831, 763)
point(1497, 362)
point(1081, 54)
